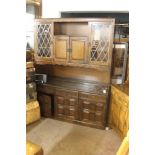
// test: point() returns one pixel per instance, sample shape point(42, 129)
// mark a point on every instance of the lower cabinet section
point(92, 111)
point(46, 105)
point(80, 107)
point(83, 107)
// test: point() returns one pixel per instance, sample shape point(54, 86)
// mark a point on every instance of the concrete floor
point(61, 138)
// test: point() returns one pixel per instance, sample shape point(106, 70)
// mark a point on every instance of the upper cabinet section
point(75, 42)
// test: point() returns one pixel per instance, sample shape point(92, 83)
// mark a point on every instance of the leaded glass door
point(101, 41)
point(44, 41)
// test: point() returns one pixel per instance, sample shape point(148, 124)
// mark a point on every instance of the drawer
point(66, 93)
point(92, 97)
point(71, 101)
point(46, 89)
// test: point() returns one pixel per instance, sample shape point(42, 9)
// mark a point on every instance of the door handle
point(69, 50)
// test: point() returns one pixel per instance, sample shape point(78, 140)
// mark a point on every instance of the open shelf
point(71, 28)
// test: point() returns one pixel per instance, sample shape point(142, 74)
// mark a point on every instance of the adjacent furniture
point(120, 57)
point(32, 112)
point(124, 148)
point(119, 109)
point(33, 149)
point(32, 105)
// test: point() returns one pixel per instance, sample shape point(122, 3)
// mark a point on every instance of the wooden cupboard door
point(59, 106)
point(78, 49)
point(92, 112)
point(61, 46)
point(100, 112)
point(119, 119)
point(66, 103)
point(115, 112)
point(45, 105)
point(101, 41)
point(123, 120)
point(43, 45)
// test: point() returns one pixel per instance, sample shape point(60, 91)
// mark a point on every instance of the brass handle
point(69, 50)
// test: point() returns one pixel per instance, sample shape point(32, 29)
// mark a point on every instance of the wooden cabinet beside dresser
point(119, 110)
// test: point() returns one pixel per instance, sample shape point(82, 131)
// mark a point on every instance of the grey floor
point(61, 138)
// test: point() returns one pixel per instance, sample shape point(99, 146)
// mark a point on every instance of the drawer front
point(60, 110)
point(59, 106)
point(66, 107)
point(66, 93)
point(71, 101)
point(46, 89)
point(92, 112)
point(99, 117)
point(93, 97)
point(71, 112)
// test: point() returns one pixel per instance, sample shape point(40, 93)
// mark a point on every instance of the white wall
point(52, 8)
point(30, 16)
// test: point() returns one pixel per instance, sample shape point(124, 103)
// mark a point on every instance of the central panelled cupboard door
point(61, 46)
point(78, 49)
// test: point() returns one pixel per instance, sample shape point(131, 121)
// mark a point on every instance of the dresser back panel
point(74, 72)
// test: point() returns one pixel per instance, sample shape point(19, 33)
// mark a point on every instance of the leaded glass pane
point(44, 40)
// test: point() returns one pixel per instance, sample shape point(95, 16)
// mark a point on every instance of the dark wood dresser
point(76, 55)
point(74, 100)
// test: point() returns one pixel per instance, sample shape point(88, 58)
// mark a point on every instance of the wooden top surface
point(77, 19)
point(76, 85)
point(122, 88)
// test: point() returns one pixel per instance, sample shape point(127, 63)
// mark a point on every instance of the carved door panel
point(101, 41)
point(84, 110)
point(115, 112)
point(91, 112)
point(100, 113)
point(61, 46)
point(78, 49)
point(123, 120)
point(43, 41)
point(66, 104)
point(59, 106)
point(71, 108)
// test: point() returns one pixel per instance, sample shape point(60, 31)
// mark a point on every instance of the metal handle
point(69, 50)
